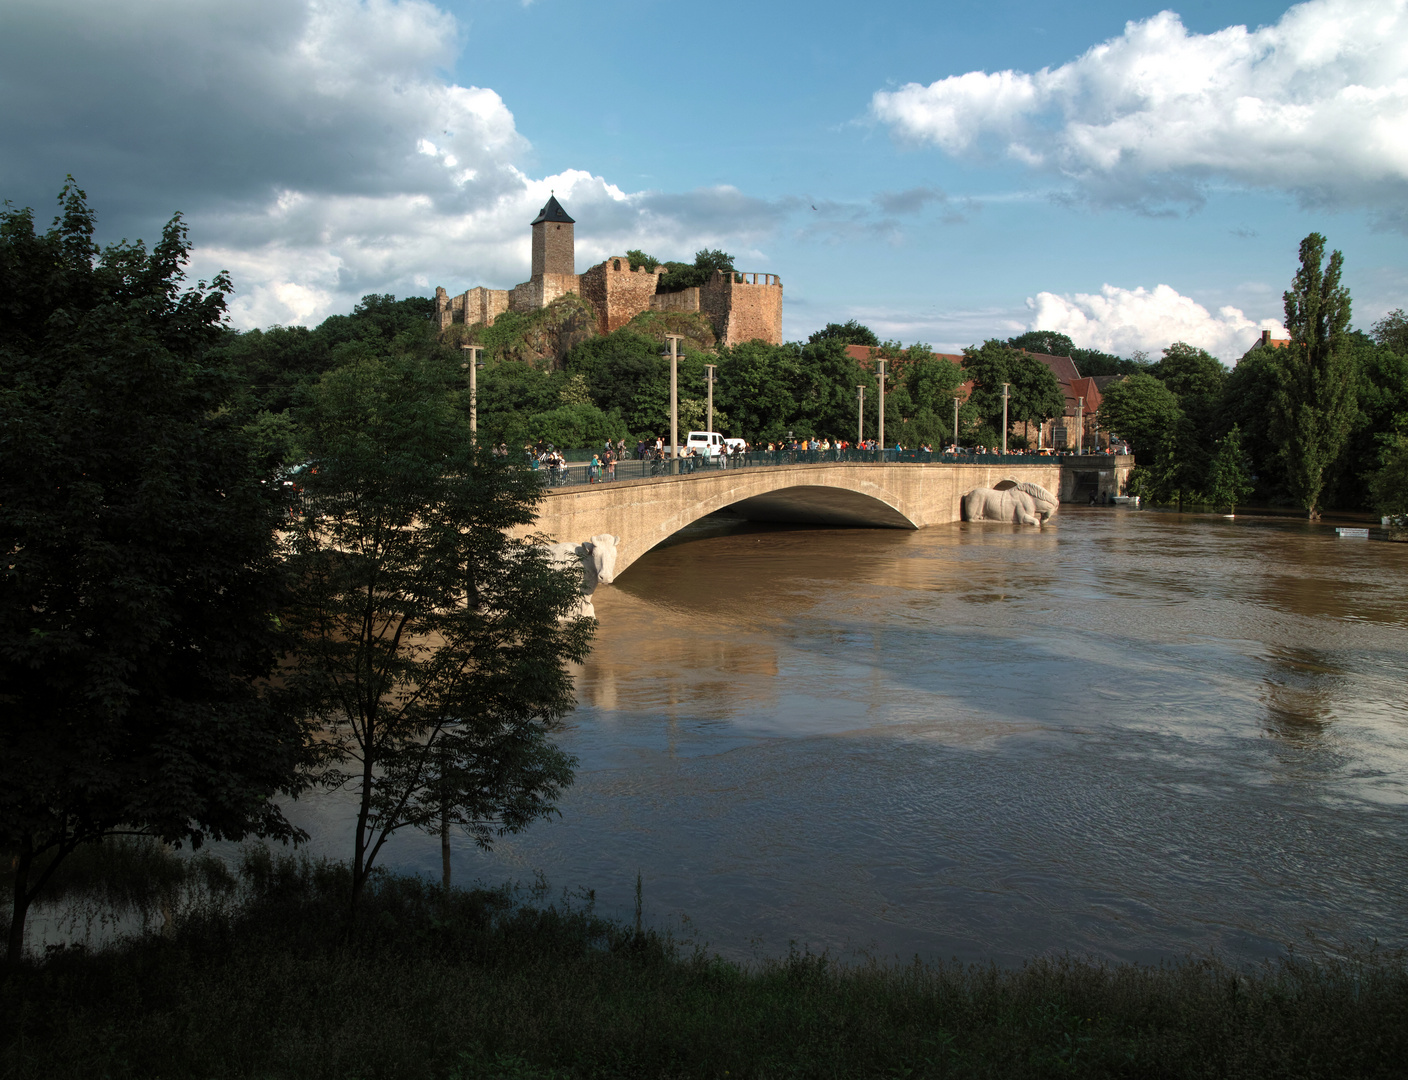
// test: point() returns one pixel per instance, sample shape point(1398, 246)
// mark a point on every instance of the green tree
point(137, 610)
point(1048, 342)
point(572, 427)
point(849, 332)
point(1034, 395)
point(1229, 477)
point(1388, 487)
point(1247, 394)
point(432, 645)
point(1142, 411)
point(1194, 375)
point(1381, 419)
point(279, 361)
point(1313, 408)
point(1196, 378)
point(1392, 331)
point(756, 384)
point(680, 275)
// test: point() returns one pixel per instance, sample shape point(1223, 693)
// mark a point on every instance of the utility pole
point(709, 374)
point(674, 340)
point(474, 365)
point(860, 418)
point(1004, 416)
point(881, 365)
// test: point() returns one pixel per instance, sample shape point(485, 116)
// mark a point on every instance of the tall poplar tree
point(1314, 406)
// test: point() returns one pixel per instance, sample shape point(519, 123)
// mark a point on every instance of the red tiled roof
point(1085, 388)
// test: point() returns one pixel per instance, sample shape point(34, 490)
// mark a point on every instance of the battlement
point(742, 307)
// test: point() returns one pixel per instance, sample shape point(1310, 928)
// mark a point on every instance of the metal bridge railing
point(632, 469)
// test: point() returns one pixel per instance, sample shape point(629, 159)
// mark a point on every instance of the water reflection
point(1298, 691)
point(1132, 735)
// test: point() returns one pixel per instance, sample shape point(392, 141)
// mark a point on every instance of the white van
point(708, 443)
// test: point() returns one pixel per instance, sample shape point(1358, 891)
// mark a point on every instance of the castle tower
point(552, 241)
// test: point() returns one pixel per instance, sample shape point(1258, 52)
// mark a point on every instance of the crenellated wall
point(743, 306)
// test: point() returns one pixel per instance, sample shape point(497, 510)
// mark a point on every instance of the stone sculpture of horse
point(597, 559)
point(1012, 500)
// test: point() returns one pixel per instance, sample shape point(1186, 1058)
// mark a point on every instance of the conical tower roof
point(552, 212)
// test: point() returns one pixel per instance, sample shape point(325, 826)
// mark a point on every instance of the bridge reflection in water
point(904, 491)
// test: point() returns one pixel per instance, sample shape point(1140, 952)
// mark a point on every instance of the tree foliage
point(1313, 408)
point(137, 611)
point(1141, 410)
point(1034, 395)
point(849, 332)
point(1388, 486)
point(432, 648)
point(1229, 477)
point(678, 275)
point(1392, 331)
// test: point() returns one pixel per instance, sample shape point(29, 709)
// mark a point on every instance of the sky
point(944, 172)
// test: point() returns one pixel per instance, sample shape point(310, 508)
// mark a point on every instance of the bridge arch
point(644, 512)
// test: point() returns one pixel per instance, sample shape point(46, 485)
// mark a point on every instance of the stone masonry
point(740, 306)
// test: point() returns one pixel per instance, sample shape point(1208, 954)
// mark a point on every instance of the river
point(1131, 736)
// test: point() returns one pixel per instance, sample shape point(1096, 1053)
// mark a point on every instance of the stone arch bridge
point(644, 512)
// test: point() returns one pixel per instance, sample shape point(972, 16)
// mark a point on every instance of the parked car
point(708, 443)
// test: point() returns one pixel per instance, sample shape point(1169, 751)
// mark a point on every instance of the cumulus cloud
point(1315, 105)
point(1121, 321)
point(316, 147)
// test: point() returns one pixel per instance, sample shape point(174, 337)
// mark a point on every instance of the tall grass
point(268, 979)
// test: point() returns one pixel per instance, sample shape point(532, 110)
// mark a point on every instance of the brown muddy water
point(1133, 735)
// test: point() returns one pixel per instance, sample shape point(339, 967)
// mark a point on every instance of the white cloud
point(1316, 105)
point(316, 146)
point(1121, 321)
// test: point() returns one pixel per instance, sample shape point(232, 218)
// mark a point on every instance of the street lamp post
point(473, 365)
point(860, 418)
point(709, 373)
point(955, 425)
point(881, 365)
point(1080, 425)
point(674, 340)
point(1004, 416)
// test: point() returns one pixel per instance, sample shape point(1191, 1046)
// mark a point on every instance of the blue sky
point(1128, 174)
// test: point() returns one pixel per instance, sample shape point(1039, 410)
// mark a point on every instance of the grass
point(268, 979)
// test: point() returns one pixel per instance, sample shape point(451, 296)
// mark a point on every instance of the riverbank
point(479, 984)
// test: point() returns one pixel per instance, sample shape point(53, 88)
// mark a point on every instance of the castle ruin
point(740, 306)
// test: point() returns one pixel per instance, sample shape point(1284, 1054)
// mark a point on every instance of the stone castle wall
point(541, 291)
point(743, 306)
point(684, 300)
point(617, 292)
point(478, 305)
